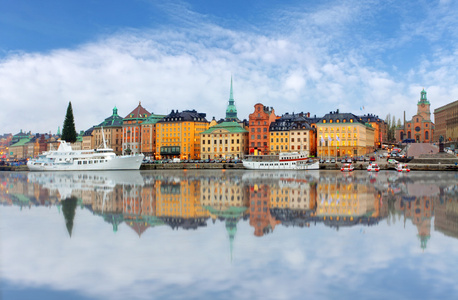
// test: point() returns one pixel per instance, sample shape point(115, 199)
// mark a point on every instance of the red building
point(420, 128)
point(259, 122)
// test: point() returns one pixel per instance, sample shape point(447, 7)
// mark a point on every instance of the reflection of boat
point(373, 168)
point(67, 182)
point(402, 168)
point(66, 159)
point(347, 168)
point(283, 161)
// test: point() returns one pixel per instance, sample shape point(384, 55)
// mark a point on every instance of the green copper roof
point(112, 121)
point(231, 127)
point(21, 142)
point(153, 119)
point(231, 111)
point(423, 99)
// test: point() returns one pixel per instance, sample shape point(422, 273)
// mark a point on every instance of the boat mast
point(104, 142)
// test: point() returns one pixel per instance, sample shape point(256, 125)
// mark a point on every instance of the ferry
point(402, 168)
point(373, 168)
point(347, 168)
point(283, 161)
point(66, 159)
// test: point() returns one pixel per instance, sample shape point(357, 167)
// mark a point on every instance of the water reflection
point(228, 235)
point(188, 200)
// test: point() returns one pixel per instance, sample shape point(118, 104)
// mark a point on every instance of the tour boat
point(373, 168)
point(347, 168)
point(283, 161)
point(402, 168)
point(66, 159)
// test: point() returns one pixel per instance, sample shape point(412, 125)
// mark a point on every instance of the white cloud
point(310, 63)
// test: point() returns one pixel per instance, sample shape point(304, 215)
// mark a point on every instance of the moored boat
point(66, 159)
point(347, 168)
point(283, 161)
point(402, 168)
point(373, 167)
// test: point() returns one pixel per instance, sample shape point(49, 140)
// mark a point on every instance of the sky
point(358, 56)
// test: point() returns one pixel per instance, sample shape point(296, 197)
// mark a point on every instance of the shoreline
point(359, 166)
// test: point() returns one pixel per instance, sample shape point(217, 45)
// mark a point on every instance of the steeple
point(231, 111)
point(115, 111)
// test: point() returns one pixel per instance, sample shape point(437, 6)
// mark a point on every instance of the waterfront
point(225, 234)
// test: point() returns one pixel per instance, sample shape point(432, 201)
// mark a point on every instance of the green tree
point(68, 131)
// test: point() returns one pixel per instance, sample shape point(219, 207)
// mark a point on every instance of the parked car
point(333, 161)
point(392, 161)
point(372, 158)
point(321, 160)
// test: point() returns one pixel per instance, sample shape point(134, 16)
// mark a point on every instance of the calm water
point(228, 235)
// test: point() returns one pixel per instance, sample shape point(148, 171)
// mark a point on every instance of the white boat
point(373, 167)
point(66, 159)
point(347, 168)
point(283, 161)
point(402, 168)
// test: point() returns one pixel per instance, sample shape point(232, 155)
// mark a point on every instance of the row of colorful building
point(189, 135)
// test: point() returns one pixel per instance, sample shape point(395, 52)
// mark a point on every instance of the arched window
point(426, 135)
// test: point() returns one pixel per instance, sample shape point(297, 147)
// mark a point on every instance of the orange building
point(149, 135)
point(178, 134)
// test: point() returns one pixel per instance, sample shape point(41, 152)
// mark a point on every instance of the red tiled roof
point(138, 113)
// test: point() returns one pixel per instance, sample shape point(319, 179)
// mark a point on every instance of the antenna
point(104, 142)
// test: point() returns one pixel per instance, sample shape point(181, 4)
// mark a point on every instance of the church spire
point(231, 111)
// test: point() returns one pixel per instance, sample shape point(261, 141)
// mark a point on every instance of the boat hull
point(277, 165)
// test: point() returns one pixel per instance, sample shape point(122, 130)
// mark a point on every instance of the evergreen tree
point(68, 131)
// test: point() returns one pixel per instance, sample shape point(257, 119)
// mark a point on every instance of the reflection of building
point(446, 215)
point(177, 203)
point(343, 204)
point(260, 217)
point(419, 210)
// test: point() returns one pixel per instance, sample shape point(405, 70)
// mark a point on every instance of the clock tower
point(423, 107)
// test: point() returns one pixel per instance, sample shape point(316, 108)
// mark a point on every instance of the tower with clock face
point(423, 107)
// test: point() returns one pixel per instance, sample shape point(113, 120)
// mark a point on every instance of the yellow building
point(178, 135)
point(224, 140)
point(343, 134)
point(292, 133)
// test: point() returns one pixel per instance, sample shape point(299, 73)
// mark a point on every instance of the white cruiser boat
point(373, 168)
point(66, 159)
point(283, 161)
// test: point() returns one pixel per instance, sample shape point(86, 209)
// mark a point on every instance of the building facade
point(259, 123)
point(224, 140)
point(131, 130)
point(380, 128)
point(149, 135)
point(446, 122)
point(178, 134)
point(292, 133)
point(344, 134)
point(109, 130)
point(420, 128)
